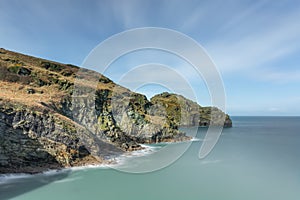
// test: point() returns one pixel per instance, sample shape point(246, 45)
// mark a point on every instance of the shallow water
point(259, 158)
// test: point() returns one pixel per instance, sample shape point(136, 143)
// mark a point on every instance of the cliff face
point(44, 125)
point(184, 112)
point(32, 141)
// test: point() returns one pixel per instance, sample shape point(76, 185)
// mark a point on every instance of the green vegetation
point(14, 69)
point(51, 66)
point(184, 112)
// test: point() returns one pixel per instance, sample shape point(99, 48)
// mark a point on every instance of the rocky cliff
point(46, 124)
point(181, 111)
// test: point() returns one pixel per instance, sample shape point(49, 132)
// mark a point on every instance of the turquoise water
point(259, 158)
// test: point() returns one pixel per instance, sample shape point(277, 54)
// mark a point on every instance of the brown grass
point(15, 92)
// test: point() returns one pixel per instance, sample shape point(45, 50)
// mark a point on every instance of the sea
point(257, 159)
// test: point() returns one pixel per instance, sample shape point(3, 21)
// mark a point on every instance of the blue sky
point(255, 44)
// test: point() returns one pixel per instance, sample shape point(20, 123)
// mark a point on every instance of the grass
point(16, 92)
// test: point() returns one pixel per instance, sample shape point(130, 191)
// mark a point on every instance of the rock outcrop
point(46, 123)
point(181, 111)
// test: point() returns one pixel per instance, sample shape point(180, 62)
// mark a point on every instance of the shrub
point(14, 69)
point(51, 66)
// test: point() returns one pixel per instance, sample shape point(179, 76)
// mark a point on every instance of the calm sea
point(257, 159)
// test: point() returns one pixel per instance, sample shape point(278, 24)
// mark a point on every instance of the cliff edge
point(43, 125)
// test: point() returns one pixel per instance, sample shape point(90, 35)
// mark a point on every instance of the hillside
point(184, 112)
point(43, 125)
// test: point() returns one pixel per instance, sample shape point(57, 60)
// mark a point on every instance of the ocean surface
point(257, 159)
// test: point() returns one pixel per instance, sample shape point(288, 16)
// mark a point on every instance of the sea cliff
point(43, 125)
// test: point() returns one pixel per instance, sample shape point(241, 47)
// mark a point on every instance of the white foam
point(7, 177)
point(51, 172)
point(198, 140)
point(147, 149)
point(194, 139)
point(80, 168)
point(11, 177)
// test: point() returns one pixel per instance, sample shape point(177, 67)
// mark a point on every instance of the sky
point(255, 45)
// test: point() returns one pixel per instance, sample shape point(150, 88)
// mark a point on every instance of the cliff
point(43, 125)
point(181, 111)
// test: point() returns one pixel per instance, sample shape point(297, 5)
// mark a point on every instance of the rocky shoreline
point(88, 162)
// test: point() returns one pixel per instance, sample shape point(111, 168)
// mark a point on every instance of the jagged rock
point(24, 71)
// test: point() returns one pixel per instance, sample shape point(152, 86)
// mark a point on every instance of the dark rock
point(30, 91)
point(41, 83)
point(38, 141)
point(24, 71)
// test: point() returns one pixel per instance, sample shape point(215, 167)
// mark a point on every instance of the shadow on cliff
point(18, 161)
point(12, 186)
point(16, 158)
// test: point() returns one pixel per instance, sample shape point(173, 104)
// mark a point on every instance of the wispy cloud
point(157, 74)
point(242, 14)
point(198, 15)
point(130, 14)
point(280, 77)
point(263, 42)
